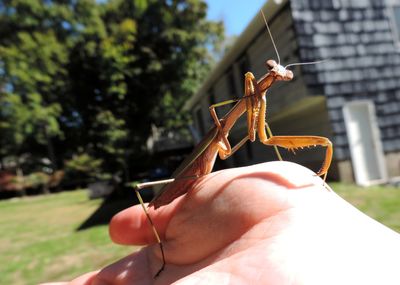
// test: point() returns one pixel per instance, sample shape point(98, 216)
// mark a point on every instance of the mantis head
point(279, 71)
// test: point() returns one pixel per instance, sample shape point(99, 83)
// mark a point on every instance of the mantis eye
point(271, 64)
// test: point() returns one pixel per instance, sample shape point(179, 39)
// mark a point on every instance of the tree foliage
point(94, 76)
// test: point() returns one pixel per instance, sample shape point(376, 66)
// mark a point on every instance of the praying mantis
point(201, 161)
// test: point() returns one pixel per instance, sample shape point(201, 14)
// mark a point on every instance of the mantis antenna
point(276, 50)
point(270, 35)
point(306, 63)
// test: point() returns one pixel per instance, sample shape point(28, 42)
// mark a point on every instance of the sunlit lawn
point(379, 202)
point(39, 241)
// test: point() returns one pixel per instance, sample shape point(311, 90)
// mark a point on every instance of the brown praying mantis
point(201, 161)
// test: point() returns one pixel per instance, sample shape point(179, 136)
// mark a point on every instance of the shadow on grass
point(117, 201)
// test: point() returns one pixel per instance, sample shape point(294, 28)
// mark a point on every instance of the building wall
point(358, 38)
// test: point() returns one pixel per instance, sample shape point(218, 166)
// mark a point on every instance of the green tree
point(142, 64)
point(32, 78)
point(95, 76)
point(110, 136)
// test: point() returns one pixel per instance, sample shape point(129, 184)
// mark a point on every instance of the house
point(353, 98)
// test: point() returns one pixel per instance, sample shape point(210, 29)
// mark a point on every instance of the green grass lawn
point(379, 202)
point(39, 240)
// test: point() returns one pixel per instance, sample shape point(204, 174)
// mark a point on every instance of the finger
point(131, 226)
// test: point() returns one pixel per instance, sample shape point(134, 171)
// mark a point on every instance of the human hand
point(272, 223)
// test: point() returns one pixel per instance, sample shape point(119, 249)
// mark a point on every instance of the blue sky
point(236, 15)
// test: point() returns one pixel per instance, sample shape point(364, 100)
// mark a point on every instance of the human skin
point(271, 223)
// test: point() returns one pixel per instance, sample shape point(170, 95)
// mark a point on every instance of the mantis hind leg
point(295, 142)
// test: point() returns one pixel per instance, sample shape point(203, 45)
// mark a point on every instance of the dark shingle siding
point(364, 61)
